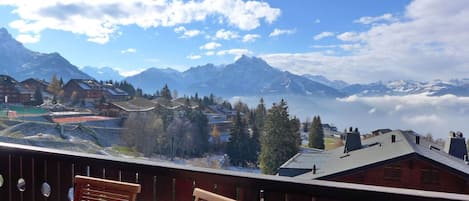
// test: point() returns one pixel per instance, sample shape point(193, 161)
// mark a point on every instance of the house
point(12, 91)
point(123, 108)
point(83, 89)
point(33, 84)
point(401, 159)
point(113, 94)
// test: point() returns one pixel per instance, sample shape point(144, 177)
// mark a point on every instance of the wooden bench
point(91, 189)
point(200, 195)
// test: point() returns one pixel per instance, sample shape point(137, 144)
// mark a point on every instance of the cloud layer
point(428, 41)
point(99, 20)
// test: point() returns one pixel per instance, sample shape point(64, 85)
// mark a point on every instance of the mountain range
point(22, 63)
point(246, 76)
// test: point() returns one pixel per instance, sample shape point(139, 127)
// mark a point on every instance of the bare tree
point(143, 131)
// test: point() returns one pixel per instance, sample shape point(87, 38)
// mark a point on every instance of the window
point(392, 172)
point(430, 176)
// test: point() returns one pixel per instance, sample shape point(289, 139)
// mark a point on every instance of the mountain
point(246, 76)
point(154, 79)
point(22, 63)
point(336, 84)
point(407, 87)
point(102, 73)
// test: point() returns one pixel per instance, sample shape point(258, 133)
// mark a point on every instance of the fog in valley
point(422, 113)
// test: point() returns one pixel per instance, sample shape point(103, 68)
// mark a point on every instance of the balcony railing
point(25, 169)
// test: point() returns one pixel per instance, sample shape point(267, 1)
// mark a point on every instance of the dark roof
point(86, 84)
point(7, 80)
point(135, 105)
point(38, 81)
point(114, 91)
point(10, 82)
point(375, 150)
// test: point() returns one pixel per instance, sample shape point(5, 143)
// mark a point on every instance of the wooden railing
point(34, 166)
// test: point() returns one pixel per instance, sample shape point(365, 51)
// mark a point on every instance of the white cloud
point(128, 73)
point(210, 53)
point(187, 33)
point(423, 120)
point(129, 50)
point(323, 35)
point(250, 37)
point(372, 111)
point(226, 34)
point(349, 47)
point(235, 52)
point(349, 36)
point(317, 21)
point(388, 17)
point(278, 32)
point(194, 57)
point(26, 38)
point(99, 20)
point(430, 36)
point(210, 46)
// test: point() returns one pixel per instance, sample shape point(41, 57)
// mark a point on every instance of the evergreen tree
point(316, 134)
point(54, 86)
point(166, 93)
point(38, 100)
point(61, 82)
point(238, 146)
point(255, 145)
point(295, 126)
point(260, 115)
point(278, 143)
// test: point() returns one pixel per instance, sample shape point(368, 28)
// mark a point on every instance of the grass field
point(22, 110)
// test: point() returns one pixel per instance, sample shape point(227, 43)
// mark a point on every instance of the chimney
point(352, 140)
point(417, 139)
point(393, 138)
point(456, 145)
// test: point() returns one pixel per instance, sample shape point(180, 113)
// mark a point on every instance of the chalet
point(83, 89)
point(396, 159)
point(113, 94)
point(123, 108)
point(11, 91)
point(33, 84)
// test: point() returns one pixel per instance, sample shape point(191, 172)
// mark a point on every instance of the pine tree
point(255, 144)
point(278, 142)
point(260, 115)
point(238, 146)
point(316, 134)
point(38, 100)
point(295, 126)
point(54, 86)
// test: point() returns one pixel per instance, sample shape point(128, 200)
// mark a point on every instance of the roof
point(86, 84)
point(374, 150)
point(135, 105)
point(114, 91)
point(36, 81)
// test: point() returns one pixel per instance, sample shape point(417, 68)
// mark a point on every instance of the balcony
point(34, 166)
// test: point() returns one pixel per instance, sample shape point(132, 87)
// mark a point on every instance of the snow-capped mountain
point(246, 76)
point(336, 84)
point(406, 87)
point(102, 73)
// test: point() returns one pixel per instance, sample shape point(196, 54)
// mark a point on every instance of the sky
point(355, 41)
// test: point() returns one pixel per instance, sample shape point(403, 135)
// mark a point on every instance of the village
point(88, 116)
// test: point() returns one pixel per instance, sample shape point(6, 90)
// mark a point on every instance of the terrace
point(24, 169)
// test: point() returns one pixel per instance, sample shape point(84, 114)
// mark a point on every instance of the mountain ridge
point(21, 63)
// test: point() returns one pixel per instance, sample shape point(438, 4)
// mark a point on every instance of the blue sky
point(355, 41)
